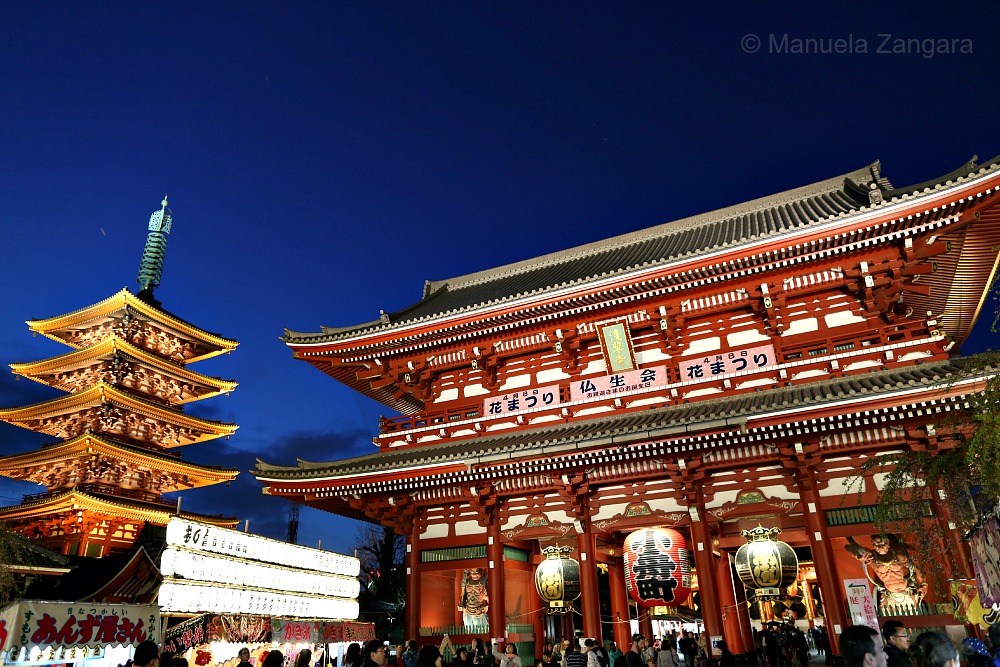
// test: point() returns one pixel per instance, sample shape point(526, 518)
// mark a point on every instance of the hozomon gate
point(707, 375)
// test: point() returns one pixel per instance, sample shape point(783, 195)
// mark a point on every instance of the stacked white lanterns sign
point(208, 569)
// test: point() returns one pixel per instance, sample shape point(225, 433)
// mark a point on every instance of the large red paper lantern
point(657, 567)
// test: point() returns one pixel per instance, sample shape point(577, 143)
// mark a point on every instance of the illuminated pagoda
point(121, 421)
point(706, 375)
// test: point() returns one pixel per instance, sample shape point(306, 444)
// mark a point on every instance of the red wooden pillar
point(411, 614)
point(734, 633)
point(619, 601)
point(704, 561)
point(834, 605)
point(960, 562)
point(497, 613)
point(590, 605)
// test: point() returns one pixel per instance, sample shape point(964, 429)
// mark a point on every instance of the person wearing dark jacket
point(897, 644)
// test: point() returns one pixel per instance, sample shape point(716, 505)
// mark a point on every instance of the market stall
point(98, 634)
point(231, 589)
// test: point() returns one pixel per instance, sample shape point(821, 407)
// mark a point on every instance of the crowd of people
point(863, 646)
point(782, 646)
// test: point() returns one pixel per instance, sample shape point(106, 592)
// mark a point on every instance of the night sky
point(324, 159)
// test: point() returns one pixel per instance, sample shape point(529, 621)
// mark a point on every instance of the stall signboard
point(185, 635)
point(39, 632)
point(294, 631)
point(207, 569)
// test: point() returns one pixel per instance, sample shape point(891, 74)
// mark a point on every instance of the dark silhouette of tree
point(383, 580)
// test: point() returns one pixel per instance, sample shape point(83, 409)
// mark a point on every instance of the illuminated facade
point(118, 427)
point(705, 375)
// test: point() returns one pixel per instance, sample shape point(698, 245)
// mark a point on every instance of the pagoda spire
point(152, 255)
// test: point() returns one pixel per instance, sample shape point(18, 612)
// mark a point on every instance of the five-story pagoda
point(121, 421)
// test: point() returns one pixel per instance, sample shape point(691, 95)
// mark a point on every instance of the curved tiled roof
point(672, 241)
point(658, 422)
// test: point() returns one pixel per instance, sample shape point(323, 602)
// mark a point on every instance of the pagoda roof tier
point(109, 410)
point(697, 428)
point(74, 500)
point(170, 382)
point(725, 249)
point(88, 453)
point(82, 327)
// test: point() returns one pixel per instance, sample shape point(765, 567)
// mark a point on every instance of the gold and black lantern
point(765, 565)
point(557, 579)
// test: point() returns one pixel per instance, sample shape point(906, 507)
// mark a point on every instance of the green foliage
point(12, 551)
point(958, 482)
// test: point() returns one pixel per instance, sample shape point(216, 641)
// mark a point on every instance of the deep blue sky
point(323, 159)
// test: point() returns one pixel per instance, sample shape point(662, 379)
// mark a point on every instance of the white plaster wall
point(650, 355)
point(841, 318)
point(815, 372)
point(551, 375)
point(516, 382)
point(666, 505)
point(435, 530)
point(594, 411)
point(757, 382)
point(706, 391)
point(867, 363)
point(702, 345)
point(653, 400)
point(916, 354)
point(501, 426)
point(475, 390)
point(469, 528)
point(545, 418)
point(804, 325)
point(838, 487)
point(609, 511)
point(746, 337)
point(447, 395)
point(595, 366)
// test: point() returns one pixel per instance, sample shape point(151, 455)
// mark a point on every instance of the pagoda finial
point(152, 256)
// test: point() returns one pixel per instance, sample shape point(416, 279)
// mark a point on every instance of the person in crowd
point(352, 656)
point(633, 656)
point(994, 636)
point(303, 659)
point(934, 649)
point(146, 655)
point(178, 661)
point(613, 652)
point(461, 656)
point(572, 657)
point(244, 656)
point(689, 649)
point(429, 656)
point(589, 646)
point(667, 657)
point(372, 654)
point(648, 653)
point(480, 656)
point(166, 658)
point(861, 646)
point(274, 659)
point(509, 657)
point(727, 659)
point(897, 644)
point(409, 656)
point(975, 652)
point(602, 655)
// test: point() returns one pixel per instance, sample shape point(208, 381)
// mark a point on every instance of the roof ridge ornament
point(151, 268)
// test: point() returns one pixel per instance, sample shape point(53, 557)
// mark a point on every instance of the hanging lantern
point(657, 567)
point(765, 565)
point(557, 579)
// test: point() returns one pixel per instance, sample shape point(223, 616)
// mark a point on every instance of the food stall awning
point(35, 632)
